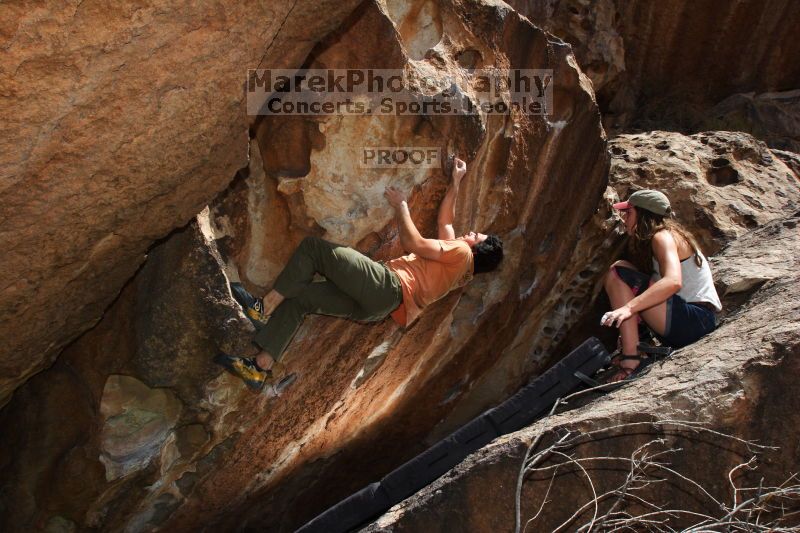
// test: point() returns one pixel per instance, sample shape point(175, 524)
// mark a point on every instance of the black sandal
point(626, 372)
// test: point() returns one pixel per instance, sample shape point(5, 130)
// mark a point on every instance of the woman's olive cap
point(654, 201)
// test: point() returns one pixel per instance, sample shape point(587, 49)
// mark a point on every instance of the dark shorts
point(686, 321)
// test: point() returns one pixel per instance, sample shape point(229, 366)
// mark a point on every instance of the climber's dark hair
point(487, 254)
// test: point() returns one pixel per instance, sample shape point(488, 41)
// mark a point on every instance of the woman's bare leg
point(620, 293)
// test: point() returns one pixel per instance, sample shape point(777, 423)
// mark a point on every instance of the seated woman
point(678, 301)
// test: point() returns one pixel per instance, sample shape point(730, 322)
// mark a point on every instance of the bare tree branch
point(647, 465)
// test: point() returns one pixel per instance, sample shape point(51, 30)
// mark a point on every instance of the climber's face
point(472, 238)
point(629, 217)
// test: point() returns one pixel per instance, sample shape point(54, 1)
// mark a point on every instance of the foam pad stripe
point(438, 459)
point(534, 399)
point(349, 513)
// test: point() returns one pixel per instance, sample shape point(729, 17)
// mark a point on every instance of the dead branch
point(648, 465)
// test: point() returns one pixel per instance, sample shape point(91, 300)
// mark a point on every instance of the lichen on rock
point(136, 423)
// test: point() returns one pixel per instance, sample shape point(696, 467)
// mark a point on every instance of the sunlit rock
point(137, 421)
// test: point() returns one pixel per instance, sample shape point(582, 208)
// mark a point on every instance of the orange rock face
point(214, 448)
point(158, 437)
point(365, 385)
point(119, 125)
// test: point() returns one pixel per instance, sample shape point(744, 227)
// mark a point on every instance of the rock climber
point(678, 302)
point(358, 288)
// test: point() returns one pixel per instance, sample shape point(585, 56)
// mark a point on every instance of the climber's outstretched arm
point(410, 238)
point(447, 211)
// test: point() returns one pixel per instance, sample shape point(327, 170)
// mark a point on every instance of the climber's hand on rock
point(395, 196)
point(616, 317)
point(459, 170)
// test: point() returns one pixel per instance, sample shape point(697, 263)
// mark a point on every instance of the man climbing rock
point(358, 288)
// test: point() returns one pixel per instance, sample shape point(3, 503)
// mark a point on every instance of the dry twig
point(769, 509)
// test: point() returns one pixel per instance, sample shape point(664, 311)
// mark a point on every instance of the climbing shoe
point(244, 368)
point(253, 307)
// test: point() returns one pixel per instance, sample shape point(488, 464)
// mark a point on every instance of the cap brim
point(622, 205)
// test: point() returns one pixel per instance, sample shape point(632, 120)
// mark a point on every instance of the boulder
point(109, 435)
point(365, 385)
point(737, 384)
point(720, 183)
point(220, 456)
point(137, 421)
point(593, 28)
point(120, 125)
point(772, 117)
point(663, 65)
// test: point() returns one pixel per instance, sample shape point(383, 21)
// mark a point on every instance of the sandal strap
point(636, 357)
point(626, 373)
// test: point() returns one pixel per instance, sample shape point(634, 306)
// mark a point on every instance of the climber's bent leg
point(622, 284)
point(323, 298)
point(371, 284)
point(657, 316)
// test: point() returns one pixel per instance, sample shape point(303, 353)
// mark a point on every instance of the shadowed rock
point(356, 383)
point(772, 117)
point(663, 65)
point(119, 126)
point(738, 380)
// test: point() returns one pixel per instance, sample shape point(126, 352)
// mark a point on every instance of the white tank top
point(698, 285)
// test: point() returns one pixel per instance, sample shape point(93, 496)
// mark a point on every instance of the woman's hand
point(395, 196)
point(459, 171)
point(616, 317)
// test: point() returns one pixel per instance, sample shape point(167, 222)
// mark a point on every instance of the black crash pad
point(530, 403)
point(349, 513)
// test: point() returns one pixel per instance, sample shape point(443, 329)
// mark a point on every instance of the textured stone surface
point(772, 117)
point(133, 403)
point(791, 159)
point(367, 397)
point(238, 458)
point(119, 125)
point(662, 65)
point(760, 256)
point(137, 420)
point(738, 380)
point(592, 27)
point(376, 377)
point(720, 183)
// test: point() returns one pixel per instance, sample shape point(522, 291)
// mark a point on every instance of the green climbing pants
point(355, 287)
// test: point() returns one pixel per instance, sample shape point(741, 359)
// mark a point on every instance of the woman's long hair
point(647, 225)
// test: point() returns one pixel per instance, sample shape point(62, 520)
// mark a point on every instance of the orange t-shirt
point(426, 280)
